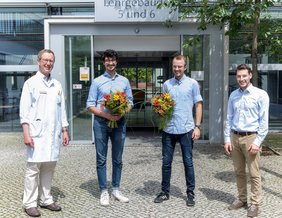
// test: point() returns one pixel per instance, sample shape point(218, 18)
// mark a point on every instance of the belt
point(243, 133)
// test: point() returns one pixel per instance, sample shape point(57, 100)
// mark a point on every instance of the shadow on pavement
point(92, 187)
point(153, 188)
point(217, 195)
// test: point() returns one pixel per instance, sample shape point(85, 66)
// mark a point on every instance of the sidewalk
point(75, 185)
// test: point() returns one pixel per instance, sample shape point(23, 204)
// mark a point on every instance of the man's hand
point(228, 148)
point(65, 138)
point(28, 141)
point(113, 117)
point(254, 149)
point(196, 134)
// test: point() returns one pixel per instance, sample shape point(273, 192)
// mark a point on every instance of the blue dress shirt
point(248, 111)
point(105, 84)
point(185, 93)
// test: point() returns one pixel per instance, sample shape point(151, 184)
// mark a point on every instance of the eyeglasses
point(47, 60)
point(110, 60)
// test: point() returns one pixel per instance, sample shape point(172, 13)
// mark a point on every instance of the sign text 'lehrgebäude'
point(132, 11)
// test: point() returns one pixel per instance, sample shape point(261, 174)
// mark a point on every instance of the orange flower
point(116, 103)
point(163, 106)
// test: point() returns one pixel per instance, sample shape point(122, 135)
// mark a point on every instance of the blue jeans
point(102, 134)
point(186, 143)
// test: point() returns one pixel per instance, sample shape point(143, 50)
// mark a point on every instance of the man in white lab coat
point(44, 121)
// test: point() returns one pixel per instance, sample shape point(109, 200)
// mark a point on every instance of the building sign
point(132, 11)
point(84, 73)
point(197, 75)
point(76, 86)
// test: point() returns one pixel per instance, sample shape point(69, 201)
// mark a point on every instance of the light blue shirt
point(248, 111)
point(185, 93)
point(105, 84)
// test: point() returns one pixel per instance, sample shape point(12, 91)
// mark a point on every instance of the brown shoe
point(252, 211)
point(33, 212)
point(237, 204)
point(52, 207)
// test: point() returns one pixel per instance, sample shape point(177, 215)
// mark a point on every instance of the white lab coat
point(42, 106)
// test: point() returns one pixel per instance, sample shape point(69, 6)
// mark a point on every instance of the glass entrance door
point(146, 77)
point(82, 63)
point(146, 72)
point(78, 67)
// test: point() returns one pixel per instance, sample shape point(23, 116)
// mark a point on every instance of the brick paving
point(75, 185)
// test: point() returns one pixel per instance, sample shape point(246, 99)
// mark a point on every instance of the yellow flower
point(166, 96)
point(116, 97)
point(116, 103)
point(163, 106)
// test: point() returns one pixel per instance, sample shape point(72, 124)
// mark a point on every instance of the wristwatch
point(198, 126)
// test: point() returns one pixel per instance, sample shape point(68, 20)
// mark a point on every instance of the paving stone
point(75, 185)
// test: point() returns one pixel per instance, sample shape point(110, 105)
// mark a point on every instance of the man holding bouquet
point(185, 93)
point(102, 88)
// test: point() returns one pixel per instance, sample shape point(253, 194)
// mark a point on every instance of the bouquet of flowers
point(117, 104)
point(163, 106)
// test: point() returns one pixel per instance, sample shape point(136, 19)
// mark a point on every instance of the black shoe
point(52, 207)
point(190, 202)
point(33, 212)
point(161, 197)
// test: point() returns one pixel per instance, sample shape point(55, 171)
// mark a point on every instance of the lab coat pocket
point(36, 128)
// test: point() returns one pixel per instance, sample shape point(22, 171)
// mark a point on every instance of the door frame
point(56, 28)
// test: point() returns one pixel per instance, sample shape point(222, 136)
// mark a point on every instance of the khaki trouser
point(241, 157)
point(38, 180)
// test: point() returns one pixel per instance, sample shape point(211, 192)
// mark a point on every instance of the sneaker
point(161, 197)
point(252, 211)
point(190, 202)
point(105, 198)
point(237, 204)
point(117, 195)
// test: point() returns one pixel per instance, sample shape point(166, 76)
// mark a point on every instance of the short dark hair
point(243, 67)
point(109, 53)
